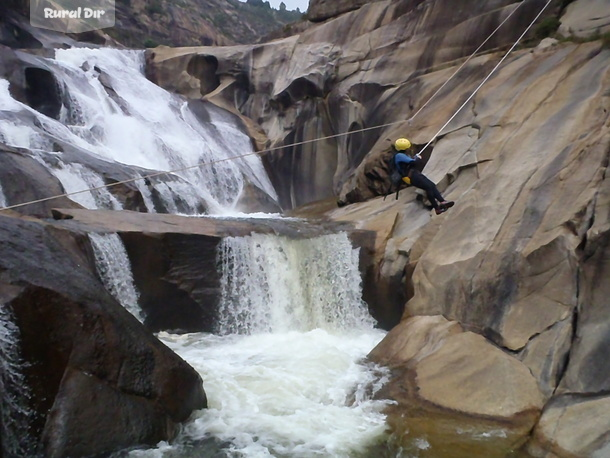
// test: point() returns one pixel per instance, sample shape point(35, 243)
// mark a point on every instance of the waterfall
point(76, 178)
point(284, 374)
point(141, 124)
point(15, 416)
point(3, 201)
point(272, 284)
point(110, 111)
point(114, 269)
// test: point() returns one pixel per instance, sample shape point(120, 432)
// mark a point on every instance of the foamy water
point(285, 372)
point(297, 394)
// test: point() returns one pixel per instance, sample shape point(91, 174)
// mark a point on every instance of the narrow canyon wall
point(515, 269)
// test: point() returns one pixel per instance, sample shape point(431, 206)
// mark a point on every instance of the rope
point(156, 174)
point(466, 61)
point(486, 78)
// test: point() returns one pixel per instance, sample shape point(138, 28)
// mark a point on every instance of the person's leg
point(419, 180)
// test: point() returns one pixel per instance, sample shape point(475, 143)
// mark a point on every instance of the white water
point(140, 124)
point(15, 415)
point(284, 375)
point(114, 269)
point(146, 126)
point(85, 186)
point(3, 201)
point(294, 285)
point(295, 394)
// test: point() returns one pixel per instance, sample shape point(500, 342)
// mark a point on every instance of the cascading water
point(15, 416)
point(286, 290)
point(76, 178)
point(141, 124)
point(114, 269)
point(284, 374)
point(111, 111)
point(3, 201)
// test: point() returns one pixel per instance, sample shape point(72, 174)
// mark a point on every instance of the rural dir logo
point(72, 16)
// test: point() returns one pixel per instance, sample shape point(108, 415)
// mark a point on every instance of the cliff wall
point(503, 296)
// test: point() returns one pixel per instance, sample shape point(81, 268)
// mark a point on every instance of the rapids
point(284, 373)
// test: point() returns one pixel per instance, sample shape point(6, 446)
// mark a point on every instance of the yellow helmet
point(402, 144)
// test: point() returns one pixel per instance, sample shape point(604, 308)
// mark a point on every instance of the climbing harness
point(268, 150)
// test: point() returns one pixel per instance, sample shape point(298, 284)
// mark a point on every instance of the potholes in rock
point(42, 92)
point(204, 68)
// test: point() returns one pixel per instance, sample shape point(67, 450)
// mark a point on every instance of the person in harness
point(405, 163)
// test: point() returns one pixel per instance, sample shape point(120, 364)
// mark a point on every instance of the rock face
point(585, 17)
point(521, 257)
point(566, 428)
point(336, 78)
point(499, 305)
point(321, 10)
point(98, 381)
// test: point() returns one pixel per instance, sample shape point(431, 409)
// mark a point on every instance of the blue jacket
point(404, 163)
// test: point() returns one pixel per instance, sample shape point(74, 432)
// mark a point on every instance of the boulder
point(584, 18)
point(321, 10)
point(97, 380)
point(573, 425)
point(452, 388)
point(24, 179)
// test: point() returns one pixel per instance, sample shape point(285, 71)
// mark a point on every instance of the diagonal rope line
point(466, 61)
point(198, 165)
point(183, 169)
point(486, 78)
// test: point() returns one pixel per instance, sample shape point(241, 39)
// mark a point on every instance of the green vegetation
point(154, 7)
point(200, 22)
point(547, 27)
point(606, 40)
point(220, 21)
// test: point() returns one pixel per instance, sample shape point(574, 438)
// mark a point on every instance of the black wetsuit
point(405, 165)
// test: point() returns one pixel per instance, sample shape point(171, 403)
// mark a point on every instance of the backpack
point(394, 176)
